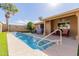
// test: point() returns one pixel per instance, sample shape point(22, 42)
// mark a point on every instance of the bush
point(30, 27)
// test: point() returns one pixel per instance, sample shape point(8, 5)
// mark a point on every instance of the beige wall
point(47, 27)
point(14, 28)
point(17, 28)
point(4, 28)
point(0, 27)
point(54, 24)
point(73, 26)
point(37, 26)
point(77, 15)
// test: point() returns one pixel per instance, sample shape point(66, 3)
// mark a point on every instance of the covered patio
point(70, 19)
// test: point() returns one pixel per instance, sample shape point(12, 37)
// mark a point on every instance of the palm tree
point(10, 10)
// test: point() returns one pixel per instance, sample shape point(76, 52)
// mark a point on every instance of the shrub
point(30, 26)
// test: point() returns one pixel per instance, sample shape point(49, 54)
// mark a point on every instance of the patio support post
point(44, 33)
point(47, 27)
point(77, 37)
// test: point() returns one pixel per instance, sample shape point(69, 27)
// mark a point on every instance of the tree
point(30, 26)
point(10, 10)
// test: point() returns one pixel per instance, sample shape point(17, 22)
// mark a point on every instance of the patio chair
point(65, 32)
point(38, 31)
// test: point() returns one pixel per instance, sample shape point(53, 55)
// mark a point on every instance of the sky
point(32, 11)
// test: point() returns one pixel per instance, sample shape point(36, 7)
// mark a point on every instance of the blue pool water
point(32, 41)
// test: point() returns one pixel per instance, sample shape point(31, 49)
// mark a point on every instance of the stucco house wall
point(51, 23)
point(47, 27)
point(73, 25)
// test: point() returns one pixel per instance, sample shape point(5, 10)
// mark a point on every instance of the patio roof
point(64, 14)
point(40, 22)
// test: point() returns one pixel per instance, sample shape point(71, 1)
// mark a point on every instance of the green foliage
point(30, 26)
point(9, 7)
point(3, 44)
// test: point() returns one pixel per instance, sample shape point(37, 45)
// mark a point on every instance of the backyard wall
point(4, 28)
point(17, 28)
point(14, 28)
point(0, 27)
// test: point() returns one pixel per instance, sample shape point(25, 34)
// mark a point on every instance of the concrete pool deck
point(18, 48)
point(68, 48)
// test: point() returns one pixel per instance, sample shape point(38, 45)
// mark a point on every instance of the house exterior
point(71, 18)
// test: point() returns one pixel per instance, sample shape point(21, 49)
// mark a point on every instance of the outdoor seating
point(38, 31)
point(65, 32)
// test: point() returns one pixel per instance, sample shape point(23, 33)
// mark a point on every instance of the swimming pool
point(32, 41)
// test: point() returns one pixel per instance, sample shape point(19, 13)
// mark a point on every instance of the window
point(64, 25)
